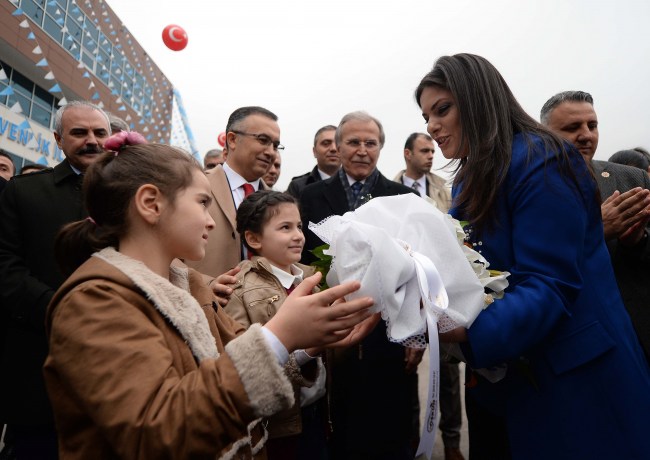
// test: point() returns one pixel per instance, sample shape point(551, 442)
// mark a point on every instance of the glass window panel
point(62, 3)
point(33, 9)
point(24, 102)
point(7, 68)
point(52, 28)
point(73, 47)
point(42, 97)
point(104, 76)
point(106, 59)
point(74, 29)
point(118, 59)
point(105, 43)
point(52, 7)
point(91, 28)
point(22, 85)
point(88, 60)
point(3, 99)
point(41, 115)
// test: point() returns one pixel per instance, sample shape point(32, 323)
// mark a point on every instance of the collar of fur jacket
point(171, 298)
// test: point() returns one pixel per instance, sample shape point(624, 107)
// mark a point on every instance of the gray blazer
point(631, 265)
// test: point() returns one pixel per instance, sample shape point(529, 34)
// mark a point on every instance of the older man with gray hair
point(625, 203)
point(33, 208)
point(213, 158)
point(372, 390)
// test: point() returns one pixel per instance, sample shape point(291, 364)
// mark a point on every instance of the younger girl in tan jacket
point(271, 228)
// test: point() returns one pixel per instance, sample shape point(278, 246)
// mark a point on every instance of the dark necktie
point(416, 187)
point(248, 189)
point(356, 190)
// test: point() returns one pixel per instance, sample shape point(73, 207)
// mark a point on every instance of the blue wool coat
point(578, 385)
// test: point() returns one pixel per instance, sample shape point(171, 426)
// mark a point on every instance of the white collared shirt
point(422, 182)
point(323, 175)
point(288, 279)
point(75, 170)
point(236, 181)
point(352, 180)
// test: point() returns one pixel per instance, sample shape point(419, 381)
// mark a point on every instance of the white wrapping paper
point(372, 244)
point(410, 259)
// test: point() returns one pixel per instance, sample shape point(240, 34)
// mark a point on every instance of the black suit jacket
point(298, 183)
point(33, 208)
point(327, 198)
point(631, 265)
point(371, 395)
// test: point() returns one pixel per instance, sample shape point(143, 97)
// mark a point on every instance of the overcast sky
point(311, 62)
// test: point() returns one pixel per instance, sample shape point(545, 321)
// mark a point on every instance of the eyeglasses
point(262, 139)
point(371, 144)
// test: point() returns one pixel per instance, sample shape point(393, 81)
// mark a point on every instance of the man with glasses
point(252, 140)
point(372, 387)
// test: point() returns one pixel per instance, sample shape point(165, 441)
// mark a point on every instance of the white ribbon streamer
point(434, 302)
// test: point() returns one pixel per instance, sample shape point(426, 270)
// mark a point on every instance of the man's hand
point(412, 357)
point(221, 285)
point(634, 234)
point(622, 211)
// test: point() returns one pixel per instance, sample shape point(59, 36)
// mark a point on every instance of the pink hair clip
point(119, 141)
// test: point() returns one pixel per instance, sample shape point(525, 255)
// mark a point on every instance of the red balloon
point(174, 37)
point(222, 139)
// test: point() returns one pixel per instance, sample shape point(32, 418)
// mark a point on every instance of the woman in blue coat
point(577, 386)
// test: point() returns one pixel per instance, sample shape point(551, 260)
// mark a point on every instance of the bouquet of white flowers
point(411, 259)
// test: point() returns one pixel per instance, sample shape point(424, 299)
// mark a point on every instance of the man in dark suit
point(33, 208)
point(625, 209)
point(327, 161)
point(371, 385)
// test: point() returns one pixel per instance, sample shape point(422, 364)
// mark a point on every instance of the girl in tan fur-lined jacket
point(142, 362)
point(270, 226)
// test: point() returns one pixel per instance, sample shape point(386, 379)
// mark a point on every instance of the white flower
point(493, 280)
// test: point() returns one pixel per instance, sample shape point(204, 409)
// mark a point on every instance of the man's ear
point(58, 140)
point(253, 240)
point(407, 154)
point(149, 203)
point(231, 139)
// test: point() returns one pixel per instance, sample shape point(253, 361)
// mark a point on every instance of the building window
point(84, 40)
point(34, 9)
point(36, 103)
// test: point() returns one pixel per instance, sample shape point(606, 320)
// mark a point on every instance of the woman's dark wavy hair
point(109, 187)
point(489, 117)
point(257, 209)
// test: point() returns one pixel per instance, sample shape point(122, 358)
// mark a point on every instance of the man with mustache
point(372, 390)
point(33, 208)
point(252, 140)
point(327, 161)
